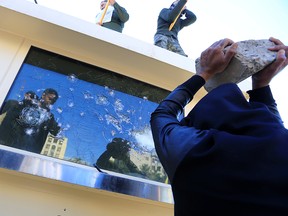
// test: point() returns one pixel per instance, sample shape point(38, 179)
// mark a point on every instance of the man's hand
point(216, 58)
point(263, 77)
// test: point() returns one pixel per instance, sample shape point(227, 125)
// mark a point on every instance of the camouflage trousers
point(169, 43)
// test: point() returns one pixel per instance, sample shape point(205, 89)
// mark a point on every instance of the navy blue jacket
point(229, 156)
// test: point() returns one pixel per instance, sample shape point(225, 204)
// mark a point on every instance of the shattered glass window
point(92, 116)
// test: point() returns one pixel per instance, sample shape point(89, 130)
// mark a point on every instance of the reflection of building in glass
point(149, 159)
point(54, 146)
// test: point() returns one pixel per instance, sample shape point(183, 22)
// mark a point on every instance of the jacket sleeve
point(172, 140)
point(170, 15)
point(190, 18)
point(122, 13)
point(265, 96)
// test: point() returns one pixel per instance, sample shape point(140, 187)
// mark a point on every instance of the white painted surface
point(27, 195)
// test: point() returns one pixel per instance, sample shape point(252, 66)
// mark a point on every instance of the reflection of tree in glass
point(116, 158)
point(77, 160)
point(145, 168)
point(152, 174)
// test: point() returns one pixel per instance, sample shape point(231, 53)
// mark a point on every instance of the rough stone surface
point(251, 56)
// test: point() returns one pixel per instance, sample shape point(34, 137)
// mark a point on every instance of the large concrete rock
point(251, 56)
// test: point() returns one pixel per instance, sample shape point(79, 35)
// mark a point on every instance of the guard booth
point(99, 157)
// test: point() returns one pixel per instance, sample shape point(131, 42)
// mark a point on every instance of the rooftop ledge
point(22, 164)
point(94, 44)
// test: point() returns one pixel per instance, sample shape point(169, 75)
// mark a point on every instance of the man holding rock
point(228, 156)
